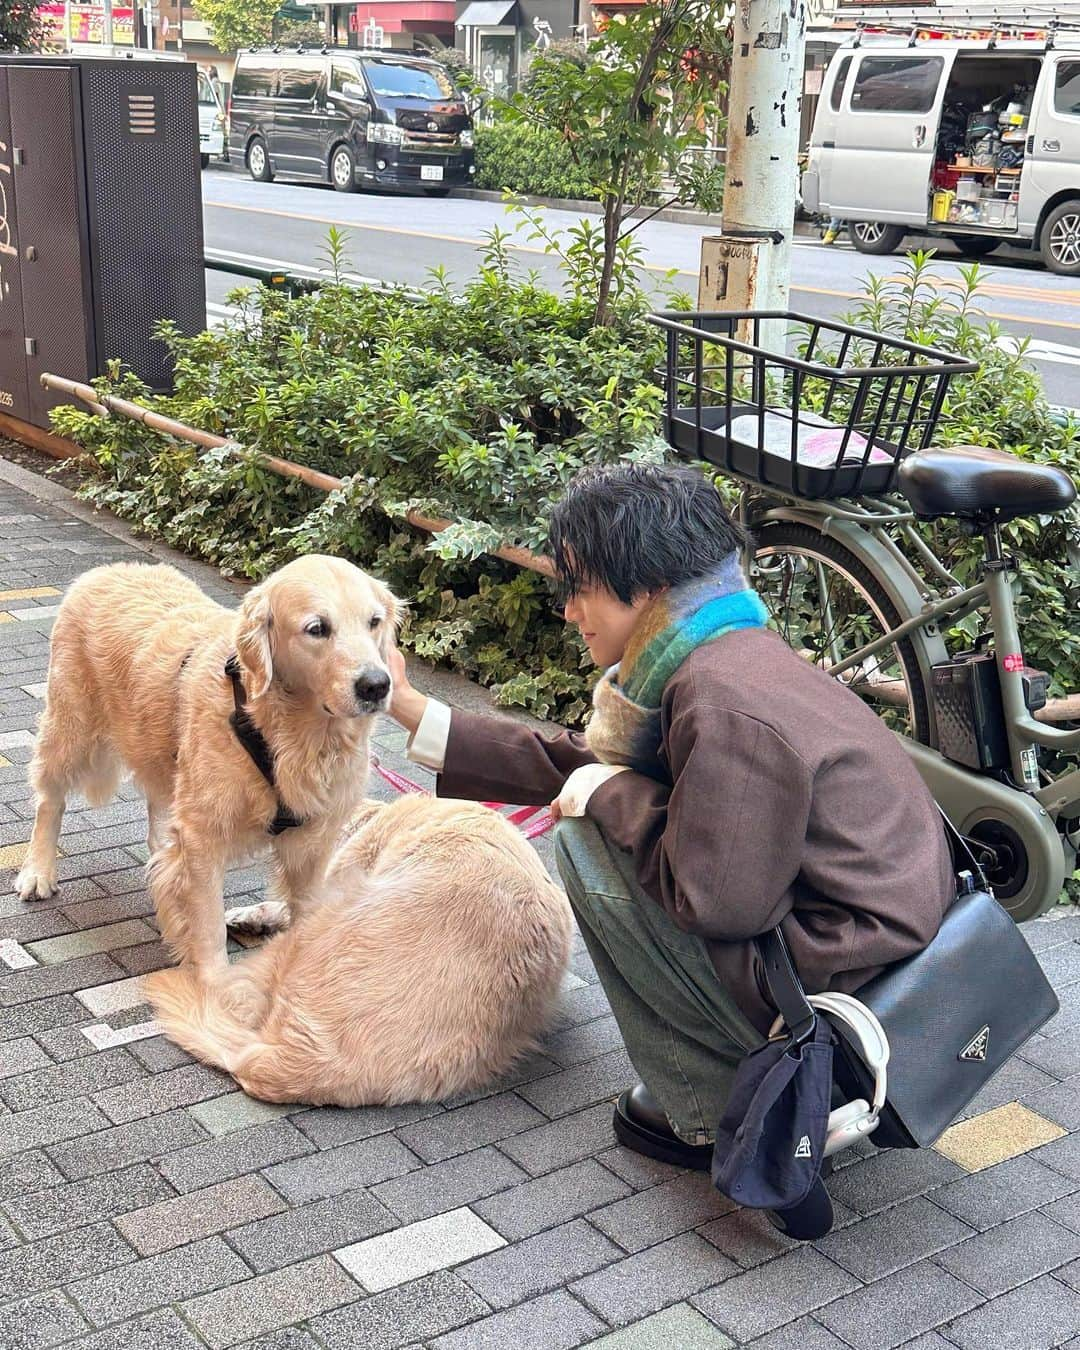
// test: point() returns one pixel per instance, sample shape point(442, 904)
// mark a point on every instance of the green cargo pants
point(682, 1029)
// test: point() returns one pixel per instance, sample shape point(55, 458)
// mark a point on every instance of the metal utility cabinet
point(100, 220)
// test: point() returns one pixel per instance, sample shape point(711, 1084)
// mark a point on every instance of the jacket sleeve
point(720, 849)
point(497, 759)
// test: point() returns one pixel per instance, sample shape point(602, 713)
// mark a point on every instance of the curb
point(678, 215)
point(674, 215)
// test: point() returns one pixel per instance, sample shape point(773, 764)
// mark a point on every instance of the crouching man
point(725, 785)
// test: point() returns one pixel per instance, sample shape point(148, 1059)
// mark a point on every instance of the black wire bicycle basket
point(833, 419)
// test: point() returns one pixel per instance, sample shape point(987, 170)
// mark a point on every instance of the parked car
point(354, 119)
point(211, 121)
point(972, 141)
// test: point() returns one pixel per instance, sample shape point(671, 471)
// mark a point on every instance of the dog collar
point(255, 743)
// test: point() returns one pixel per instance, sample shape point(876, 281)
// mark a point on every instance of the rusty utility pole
point(749, 265)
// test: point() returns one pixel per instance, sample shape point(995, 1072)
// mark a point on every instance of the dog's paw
point(36, 883)
point(258, 920)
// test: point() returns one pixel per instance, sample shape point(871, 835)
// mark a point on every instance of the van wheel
point(973, 245)
point(870, 236)
point(1060, 239)
point(258, 161)
point(204, 160)
point(343, 169)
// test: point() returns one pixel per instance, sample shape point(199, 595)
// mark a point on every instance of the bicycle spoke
point(820, 613)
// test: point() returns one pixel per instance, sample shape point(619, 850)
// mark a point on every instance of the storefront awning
point(485, 13)
point(405, 16)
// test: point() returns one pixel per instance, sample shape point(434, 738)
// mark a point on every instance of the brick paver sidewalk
point(149, 1204)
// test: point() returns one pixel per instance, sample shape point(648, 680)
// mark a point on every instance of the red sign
point(87, 25)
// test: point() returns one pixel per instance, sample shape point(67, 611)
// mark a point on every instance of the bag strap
point(784, 985)
point(780, 975)
point(962, 852)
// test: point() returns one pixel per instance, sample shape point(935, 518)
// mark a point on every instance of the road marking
point(647, 267)
point(1039, 349)
point(384, 229)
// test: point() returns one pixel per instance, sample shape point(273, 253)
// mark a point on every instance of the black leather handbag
point(953, 1013)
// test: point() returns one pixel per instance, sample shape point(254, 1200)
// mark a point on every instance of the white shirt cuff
point(582, 783)
point(427, 744)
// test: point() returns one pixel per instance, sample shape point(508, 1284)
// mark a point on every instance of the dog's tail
point(197, 1017)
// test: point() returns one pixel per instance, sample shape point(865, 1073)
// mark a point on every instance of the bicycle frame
point(1060, 798)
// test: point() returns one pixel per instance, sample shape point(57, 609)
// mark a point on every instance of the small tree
point(237, 23)
point(21, 26)
point(633, 110)
point(299, 32)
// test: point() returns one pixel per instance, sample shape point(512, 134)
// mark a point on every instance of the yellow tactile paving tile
point(28, 593)
point(14, 855)
point(7, 618)
point(4, 762)
point(993, 1137)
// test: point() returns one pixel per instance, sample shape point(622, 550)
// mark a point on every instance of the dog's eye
point(319, 628)
point(374, 621)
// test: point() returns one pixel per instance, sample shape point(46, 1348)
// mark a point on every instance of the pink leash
point(532, 821)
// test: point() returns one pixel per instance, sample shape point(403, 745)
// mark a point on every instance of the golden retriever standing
point(138, 681)
point(429, 967)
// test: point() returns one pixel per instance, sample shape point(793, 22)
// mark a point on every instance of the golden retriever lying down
point(429, 967)
point(147, 674)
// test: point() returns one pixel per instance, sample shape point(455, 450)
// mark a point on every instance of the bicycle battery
point(969, 712)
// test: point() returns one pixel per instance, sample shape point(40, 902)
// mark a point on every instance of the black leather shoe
point(641, 1125)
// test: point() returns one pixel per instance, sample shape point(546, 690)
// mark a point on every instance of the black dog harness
point(254, 742)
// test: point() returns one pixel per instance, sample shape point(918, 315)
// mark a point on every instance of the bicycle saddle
point(970, 481)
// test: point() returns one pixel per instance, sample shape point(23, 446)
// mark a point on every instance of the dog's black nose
point(372, 686)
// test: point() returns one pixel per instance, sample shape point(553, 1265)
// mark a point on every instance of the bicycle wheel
point(826, 604)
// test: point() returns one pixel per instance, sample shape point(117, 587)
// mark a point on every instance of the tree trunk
point(607, 272)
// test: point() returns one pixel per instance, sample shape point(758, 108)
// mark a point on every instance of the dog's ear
point(253, 640)
point(395, 612)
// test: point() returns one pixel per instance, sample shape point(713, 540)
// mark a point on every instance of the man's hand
point(406, 703)
point(580, 786)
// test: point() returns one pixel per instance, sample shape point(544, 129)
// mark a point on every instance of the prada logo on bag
point(976, 1048)
point(802, 1149)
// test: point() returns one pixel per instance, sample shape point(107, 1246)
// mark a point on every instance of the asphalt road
point(400, 239)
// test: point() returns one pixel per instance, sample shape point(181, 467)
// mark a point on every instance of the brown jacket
point(788, 801)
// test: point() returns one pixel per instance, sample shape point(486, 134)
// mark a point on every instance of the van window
point(1067, 88)
point(207, 97)
point(299, 81)
point(396, 80)
point(343, 73)
point(838, 84)
point(896, 84)
point(255, 78)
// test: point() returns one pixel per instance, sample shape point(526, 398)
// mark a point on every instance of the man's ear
point(395, 612)
point(253, 640)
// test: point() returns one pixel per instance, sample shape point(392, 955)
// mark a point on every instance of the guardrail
point(275, 278)
point(301, 281)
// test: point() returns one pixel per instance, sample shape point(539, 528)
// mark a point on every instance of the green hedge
point(475, 406)
point(478, 407)
point(527, 159)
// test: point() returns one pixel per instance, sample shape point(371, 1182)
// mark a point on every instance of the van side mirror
point(354, 91)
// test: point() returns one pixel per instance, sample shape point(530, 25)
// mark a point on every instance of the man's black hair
point(636, 528)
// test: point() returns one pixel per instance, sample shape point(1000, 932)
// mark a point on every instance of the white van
point(969, 140)
point(212, 136)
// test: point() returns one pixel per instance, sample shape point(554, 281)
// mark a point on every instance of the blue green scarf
point(625, 726)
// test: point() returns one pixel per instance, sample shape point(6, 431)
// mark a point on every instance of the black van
point(354, 119)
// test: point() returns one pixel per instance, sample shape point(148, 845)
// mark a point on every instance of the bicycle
point(831, 451)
